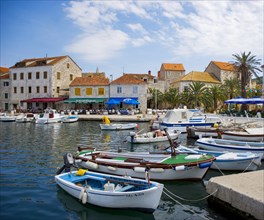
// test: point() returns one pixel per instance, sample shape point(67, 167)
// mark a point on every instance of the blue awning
point(125, 100)
point(245, 101)
point(112, 102)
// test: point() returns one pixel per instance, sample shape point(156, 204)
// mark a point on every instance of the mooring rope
point(189, 200)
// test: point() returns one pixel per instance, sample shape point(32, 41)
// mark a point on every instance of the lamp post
point(262, 67)
point(156, 98)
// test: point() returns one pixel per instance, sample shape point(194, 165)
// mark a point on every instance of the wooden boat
point(244, 161)
point(107, 125)
point(49, 116)
point(111, 191)
point(151, 137)
point(180, 119)
point(70, 119)
point(28, 117)
point(231, 145)
point(250, 134)
point(160, 166)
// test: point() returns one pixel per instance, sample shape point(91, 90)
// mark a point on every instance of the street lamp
point(156, 98)
point(262, 67)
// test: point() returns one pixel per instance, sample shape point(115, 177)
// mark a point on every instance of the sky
point(131, 36)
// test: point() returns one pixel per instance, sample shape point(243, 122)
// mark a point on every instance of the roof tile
point(90, 81)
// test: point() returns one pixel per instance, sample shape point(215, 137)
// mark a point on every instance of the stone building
point(39, 83)
point(5, 89)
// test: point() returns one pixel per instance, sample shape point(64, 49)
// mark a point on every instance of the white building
point(39, 83)
point(5, 89)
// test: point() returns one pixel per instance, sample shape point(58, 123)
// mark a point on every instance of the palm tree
point(246, 66)
point(172, 98)
point(231, 87)
point(217, 94)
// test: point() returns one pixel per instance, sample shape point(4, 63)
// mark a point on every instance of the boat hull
point(243, 137)
point(146, 200)
point(118, 126)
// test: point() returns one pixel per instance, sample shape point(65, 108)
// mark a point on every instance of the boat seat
point(123, 189)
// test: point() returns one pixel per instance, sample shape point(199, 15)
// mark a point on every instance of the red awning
point(43, 100)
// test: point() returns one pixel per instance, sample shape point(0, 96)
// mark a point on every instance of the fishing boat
point(70, 119)
point(49, 116)
point(181, 119)
point(231, 145)
point(249, 134)
point(7, 118)
point(25, 118)
point(243, 161)
point(151, 137)
point(111, 191)
point(107, 125)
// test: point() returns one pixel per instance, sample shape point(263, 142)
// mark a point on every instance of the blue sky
point(131, 36)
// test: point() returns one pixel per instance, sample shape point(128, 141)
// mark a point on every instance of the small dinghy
point(107, 125)
point(111, 191)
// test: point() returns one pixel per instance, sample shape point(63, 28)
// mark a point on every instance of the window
point(68, 65)
point(71, 77)
point(14, 76)
point(45, 75)
point(21, 89)
point(29, 75)
point(6, 95)
point(29, 89)
point(135, 89)
point(100, 91)
point(15, 89)
point(58, 89)
point(6, 83)
point(45, 89)
point(37, 75)
point(77, 91)
point(37, 89)
point(21, 75)
point(89, 91)
point(58, 75)
point(119, 89)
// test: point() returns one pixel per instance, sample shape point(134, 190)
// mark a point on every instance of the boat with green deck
point(160, 166)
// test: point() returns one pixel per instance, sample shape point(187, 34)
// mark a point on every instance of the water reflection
point(90, 212)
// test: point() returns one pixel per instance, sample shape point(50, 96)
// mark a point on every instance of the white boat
point(107, 125)
point(231, 145)
point(49, 116)
point(243, 161)
point(151, 137)
point(70, 119)
point(181, 119)
point(160, 166)
point(250, 134)
point(24, 118)
point(111, 191)
point(7, 118)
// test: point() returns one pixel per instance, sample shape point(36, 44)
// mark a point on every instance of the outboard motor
point(68, 163)
point(132, 135)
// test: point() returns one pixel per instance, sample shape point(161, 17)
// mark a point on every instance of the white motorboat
point(151, 137)
point(181, 119)
point(70, 119)
point(107, 125)
point(7, 118)
point(24, 118)
point(111, 191)
point(244, 161)
point(250, 134)
point(49, 116)
point(231, 145)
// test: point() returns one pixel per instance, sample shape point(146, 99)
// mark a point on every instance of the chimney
point(149, 72)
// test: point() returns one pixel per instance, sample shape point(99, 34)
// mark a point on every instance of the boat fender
point(91, 165)
point(84, 198)
point(81, 194)
point(180, 168)
point(111, 168)
point(205, 165)
point(156, 170)
point(140, 169)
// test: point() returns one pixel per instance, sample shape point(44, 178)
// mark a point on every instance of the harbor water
point(30, 155)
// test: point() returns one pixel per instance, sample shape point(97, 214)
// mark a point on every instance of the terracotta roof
point(90, 81)
point(45, 61)
point(130, 79)
point(224, 65)
point(4, 73)
point(173, 66)
point(199, 77)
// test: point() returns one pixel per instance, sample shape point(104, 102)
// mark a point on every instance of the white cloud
point(184, 29)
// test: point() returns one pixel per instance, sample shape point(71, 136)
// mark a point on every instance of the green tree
point(231, 87)
point(172, 98)
point(217, 94)
point(246, 65)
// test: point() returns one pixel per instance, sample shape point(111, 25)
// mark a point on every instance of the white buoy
point(81, 193)
point(84, 198)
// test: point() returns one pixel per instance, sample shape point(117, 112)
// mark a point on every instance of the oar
point(140, 131)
